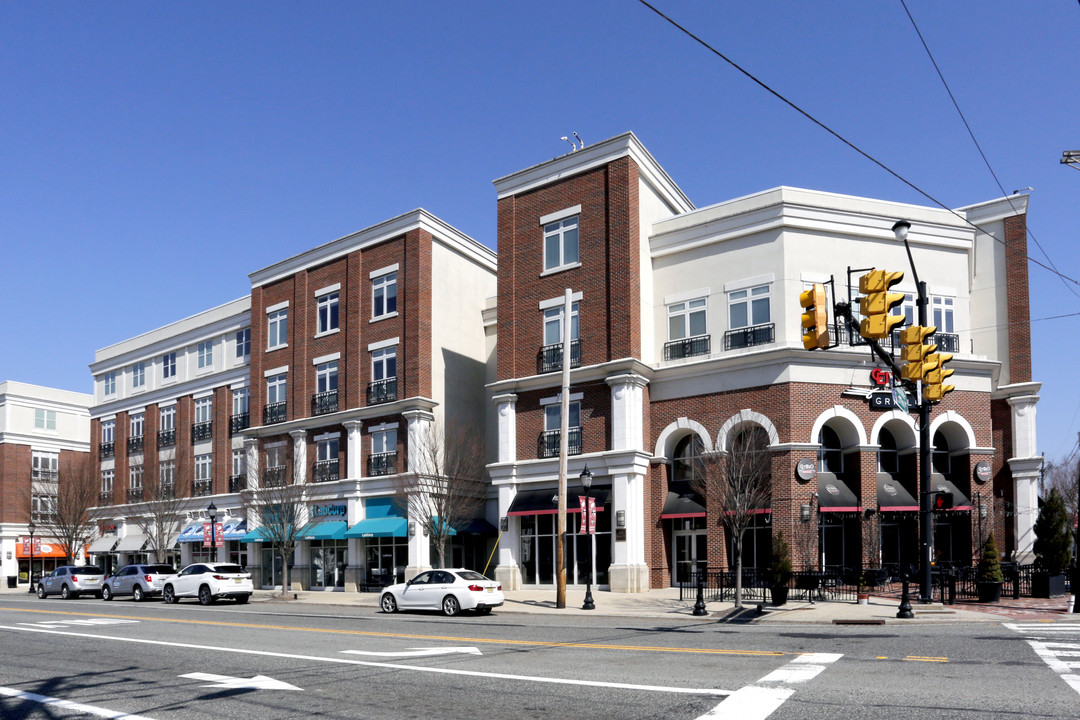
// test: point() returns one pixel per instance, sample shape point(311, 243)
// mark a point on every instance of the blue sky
point(153, 154)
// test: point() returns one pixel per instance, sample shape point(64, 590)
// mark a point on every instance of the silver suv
point(70, 581)
point(138, 581)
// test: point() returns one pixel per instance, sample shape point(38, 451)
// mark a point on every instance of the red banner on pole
point(216, 535)
point(584, 520)
point(592, 516)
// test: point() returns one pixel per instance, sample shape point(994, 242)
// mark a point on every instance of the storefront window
point(387, 558)
point(538, 549)
point(329, 558)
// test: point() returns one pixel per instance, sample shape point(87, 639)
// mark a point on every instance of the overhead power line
point(841, 138)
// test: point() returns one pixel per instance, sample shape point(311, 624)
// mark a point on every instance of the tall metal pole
point(564, 431)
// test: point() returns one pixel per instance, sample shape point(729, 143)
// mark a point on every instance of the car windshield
point(470, 575)
point(92, 569)
point(159, 569)
point(228, 569)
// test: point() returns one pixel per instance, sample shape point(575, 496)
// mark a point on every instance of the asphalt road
point(279, 660)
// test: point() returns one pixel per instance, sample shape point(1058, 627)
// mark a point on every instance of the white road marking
point(1053, 652)
point(391, 666)
point(68, 705)
point(85, 622)
point(754, 702)
point(258, 682)
point(417, 652)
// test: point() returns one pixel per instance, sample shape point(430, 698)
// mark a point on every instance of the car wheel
point(483, 611)
point(450, 606)
point(41, 591)
point(137, 593)
point(65, 593)
point(241, 599)
point(106, 593)
point(388, 603)
point(205, 596)
point(168, 595)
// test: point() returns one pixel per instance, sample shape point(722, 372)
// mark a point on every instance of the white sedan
point(208, 582)
point(451, 591)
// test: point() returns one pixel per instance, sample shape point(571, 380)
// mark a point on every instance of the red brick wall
point(15, 467)
point(1016, 274)
point(595, 418)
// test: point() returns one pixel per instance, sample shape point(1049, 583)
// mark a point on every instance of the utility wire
point(841, 138)
point(971, 133)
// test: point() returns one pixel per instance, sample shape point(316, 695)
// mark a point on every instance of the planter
point(863, 598)
point(1044, 585)
point(989, 592)
point(779, 595)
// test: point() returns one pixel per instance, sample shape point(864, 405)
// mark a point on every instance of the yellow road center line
point(409, 636)
point(922, 658)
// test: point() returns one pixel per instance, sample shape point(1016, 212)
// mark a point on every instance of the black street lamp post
point(586, 484)
point(212, 513)
point(30, 575)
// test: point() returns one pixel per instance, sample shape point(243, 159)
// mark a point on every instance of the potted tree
point(779, 572)
point(988, 577)
point(1053, 548)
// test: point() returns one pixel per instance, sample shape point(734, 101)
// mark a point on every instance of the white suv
point(208, 582)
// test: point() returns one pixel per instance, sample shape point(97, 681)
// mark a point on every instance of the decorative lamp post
point(30, 575)
point(212, 513)
point(586, 484)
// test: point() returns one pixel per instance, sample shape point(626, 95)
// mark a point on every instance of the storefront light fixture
point(804, 513)
point(504, 524)
point(412, 529)
point(620, 518)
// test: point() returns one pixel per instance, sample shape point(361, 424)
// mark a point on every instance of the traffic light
point(935, 377)
point(876, 302)
point(943, 501)
point(915, 351)
point(815, 317)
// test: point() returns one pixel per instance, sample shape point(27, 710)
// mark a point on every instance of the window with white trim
point(107, 480)
point(384, 295)
point(275, 389)
point(45, 466)
point(138, 375)
point(138, 422)
point(327, 313)
point(206, 354)
point(275, 457)
point(108, 430)
point(749, 307)
point(135, 478)
point(239, 462)
point(44, 419)
point(942, 313)
point(168, 418)
point(553, 328)
point(328, 448)
point(243, 343)
point(561, 243)
point(277, 328)
point(240, 401)
point(687, 319)
point(204, 409)
point(203, 469)
point(384, 364)
point(109, 383)
point(326, 377)
point(553, 416)
point(168, 366)
point(384, 441)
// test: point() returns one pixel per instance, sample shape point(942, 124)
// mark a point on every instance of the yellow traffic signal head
point(933, 393)
point(815, 319)
point(939, 372)
point(879, 281)
point(876, 303)
point(879, 325)
point(915, 334)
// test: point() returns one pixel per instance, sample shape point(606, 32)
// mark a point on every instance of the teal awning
point(379, 527)
point(384, 507)
point(259, 534)
point(325, 530)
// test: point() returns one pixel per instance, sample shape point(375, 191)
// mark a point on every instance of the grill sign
point(982, 471)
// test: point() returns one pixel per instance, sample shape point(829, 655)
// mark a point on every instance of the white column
point(507, 419)
point(251, 452)
point(419, 435)
point(628, 572)
point(353, 452)
point(627, 414)
point(1024, 465)
point(507, 571)
point(300, 464)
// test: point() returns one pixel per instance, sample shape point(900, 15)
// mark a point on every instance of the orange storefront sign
point(42, 549)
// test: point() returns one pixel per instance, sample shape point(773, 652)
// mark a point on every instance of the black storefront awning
point(940, 483)
point(682, 502)
point(893, 496)
point(834, 495)
point(546, 502)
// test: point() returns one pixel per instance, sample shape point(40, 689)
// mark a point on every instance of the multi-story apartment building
point(44, 436)
point(685, 335)
point(354, 353)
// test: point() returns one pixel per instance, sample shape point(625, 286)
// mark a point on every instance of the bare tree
point(60, 507)
point(1064, 476)
point(279, 502)
point(160, 517)
point(448, 487)
point(804, 542)
point(737, 481)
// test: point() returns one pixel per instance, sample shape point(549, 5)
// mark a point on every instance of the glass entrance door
point(271, 568)
point(689, 554)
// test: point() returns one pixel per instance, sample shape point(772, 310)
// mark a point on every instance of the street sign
point(900, 399)
point(882, 400)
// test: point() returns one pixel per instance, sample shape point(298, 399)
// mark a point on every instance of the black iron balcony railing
point(237, 483)
point(202, 431)
point(274, 476)
point(327, 470)
point(135, 494)
point(105, 497)
point(239, 422)
point(687, 347)
point(44, 476)
point(322, 403)
point(135, 444)
point(106, 450)
point(549, 359)
point(946, 342)
point(167, 491)
point(166, 438)
point(748, 337)
point(381, 391)
point(548, 444)
point(382, 463)
point(274, 413)
point(199, 488)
